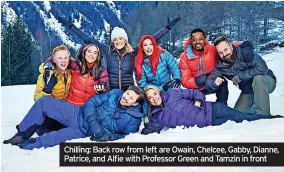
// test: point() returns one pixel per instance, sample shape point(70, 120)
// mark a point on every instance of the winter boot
point(21, 137)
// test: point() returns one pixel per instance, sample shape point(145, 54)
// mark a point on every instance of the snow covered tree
point(16, 49)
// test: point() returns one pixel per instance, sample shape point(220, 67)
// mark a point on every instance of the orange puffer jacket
point(82, 86)
point(193, 64)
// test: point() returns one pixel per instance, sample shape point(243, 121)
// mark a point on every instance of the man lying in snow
point(188, 107)
point(105, 117)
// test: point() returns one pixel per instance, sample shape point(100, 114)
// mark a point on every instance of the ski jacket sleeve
point(210, 81)
point(187, 80)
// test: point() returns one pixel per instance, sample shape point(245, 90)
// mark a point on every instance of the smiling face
point(148, 47)
point(61, 59)
point(225, 51)
point(129, 98)
point(91, 54)
point(198, 41)
point(154, 97)
point(119, 43)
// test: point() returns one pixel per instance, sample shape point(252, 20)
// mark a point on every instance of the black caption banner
point(172, 154)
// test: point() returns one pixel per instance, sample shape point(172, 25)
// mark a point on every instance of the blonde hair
point(60, 48)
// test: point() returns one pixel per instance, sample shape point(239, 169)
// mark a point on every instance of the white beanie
point(118, 32)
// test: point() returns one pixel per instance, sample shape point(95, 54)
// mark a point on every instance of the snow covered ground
point(17, 100)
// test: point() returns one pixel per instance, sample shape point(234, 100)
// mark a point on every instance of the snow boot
point(21, 137)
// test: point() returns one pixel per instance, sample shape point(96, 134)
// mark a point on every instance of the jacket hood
point(190, 53)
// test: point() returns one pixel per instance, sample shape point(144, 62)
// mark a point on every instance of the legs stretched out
point(61, 111)
point(223, 113)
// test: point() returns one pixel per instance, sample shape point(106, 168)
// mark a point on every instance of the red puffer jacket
point(193, 63)
point(82, 86)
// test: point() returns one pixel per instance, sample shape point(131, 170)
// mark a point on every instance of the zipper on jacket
point(119, 73)
point(119, 68)
point(65, 80)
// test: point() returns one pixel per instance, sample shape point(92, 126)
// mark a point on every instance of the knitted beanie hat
point(118, 32)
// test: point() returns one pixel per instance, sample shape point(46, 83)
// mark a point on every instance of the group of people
point(97, 96)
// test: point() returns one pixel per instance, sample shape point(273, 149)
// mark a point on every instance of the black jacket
point(244, 67)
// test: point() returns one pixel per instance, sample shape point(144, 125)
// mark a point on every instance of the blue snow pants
point(222, 113)
point(64, 112)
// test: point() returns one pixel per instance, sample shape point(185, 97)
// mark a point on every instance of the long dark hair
point(96, 69)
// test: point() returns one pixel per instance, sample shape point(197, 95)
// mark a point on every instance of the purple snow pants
point(64, 112)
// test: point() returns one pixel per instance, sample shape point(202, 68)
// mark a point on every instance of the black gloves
point(175, 83)
point(200, 81)
point(49, 78)
point(51, 81)
point(100, 88)
point(65, 22)
point(148, 129)
point(171, 24)
point(100, 137)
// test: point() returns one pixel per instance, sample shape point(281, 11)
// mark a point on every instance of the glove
point(171, 24)
point(51, 82)
point(176, 83)
point(99, 88)
point(146, 131)
point(167, 85)
point(100, 137)
point(200, 81)
point(65, 22)
point(48, 69)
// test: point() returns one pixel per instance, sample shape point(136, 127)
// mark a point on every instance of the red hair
point(154, 59)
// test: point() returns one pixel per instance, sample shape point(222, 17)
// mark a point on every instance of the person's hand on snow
point(100, 137)
point(172, 23)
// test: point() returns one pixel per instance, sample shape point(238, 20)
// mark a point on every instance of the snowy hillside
point(17, 100)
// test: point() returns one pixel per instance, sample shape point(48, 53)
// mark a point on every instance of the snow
point(47, 5)
point(113, 8)
point(53, 24)
point(17, 100)
point(10, 13)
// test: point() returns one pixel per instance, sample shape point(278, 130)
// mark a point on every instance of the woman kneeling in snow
point(188, 107)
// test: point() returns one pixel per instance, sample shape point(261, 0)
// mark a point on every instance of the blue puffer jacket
point(104, 112)
point(178, 109)
point(167, 69)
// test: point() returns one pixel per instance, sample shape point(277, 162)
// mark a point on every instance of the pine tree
point(16, 49)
